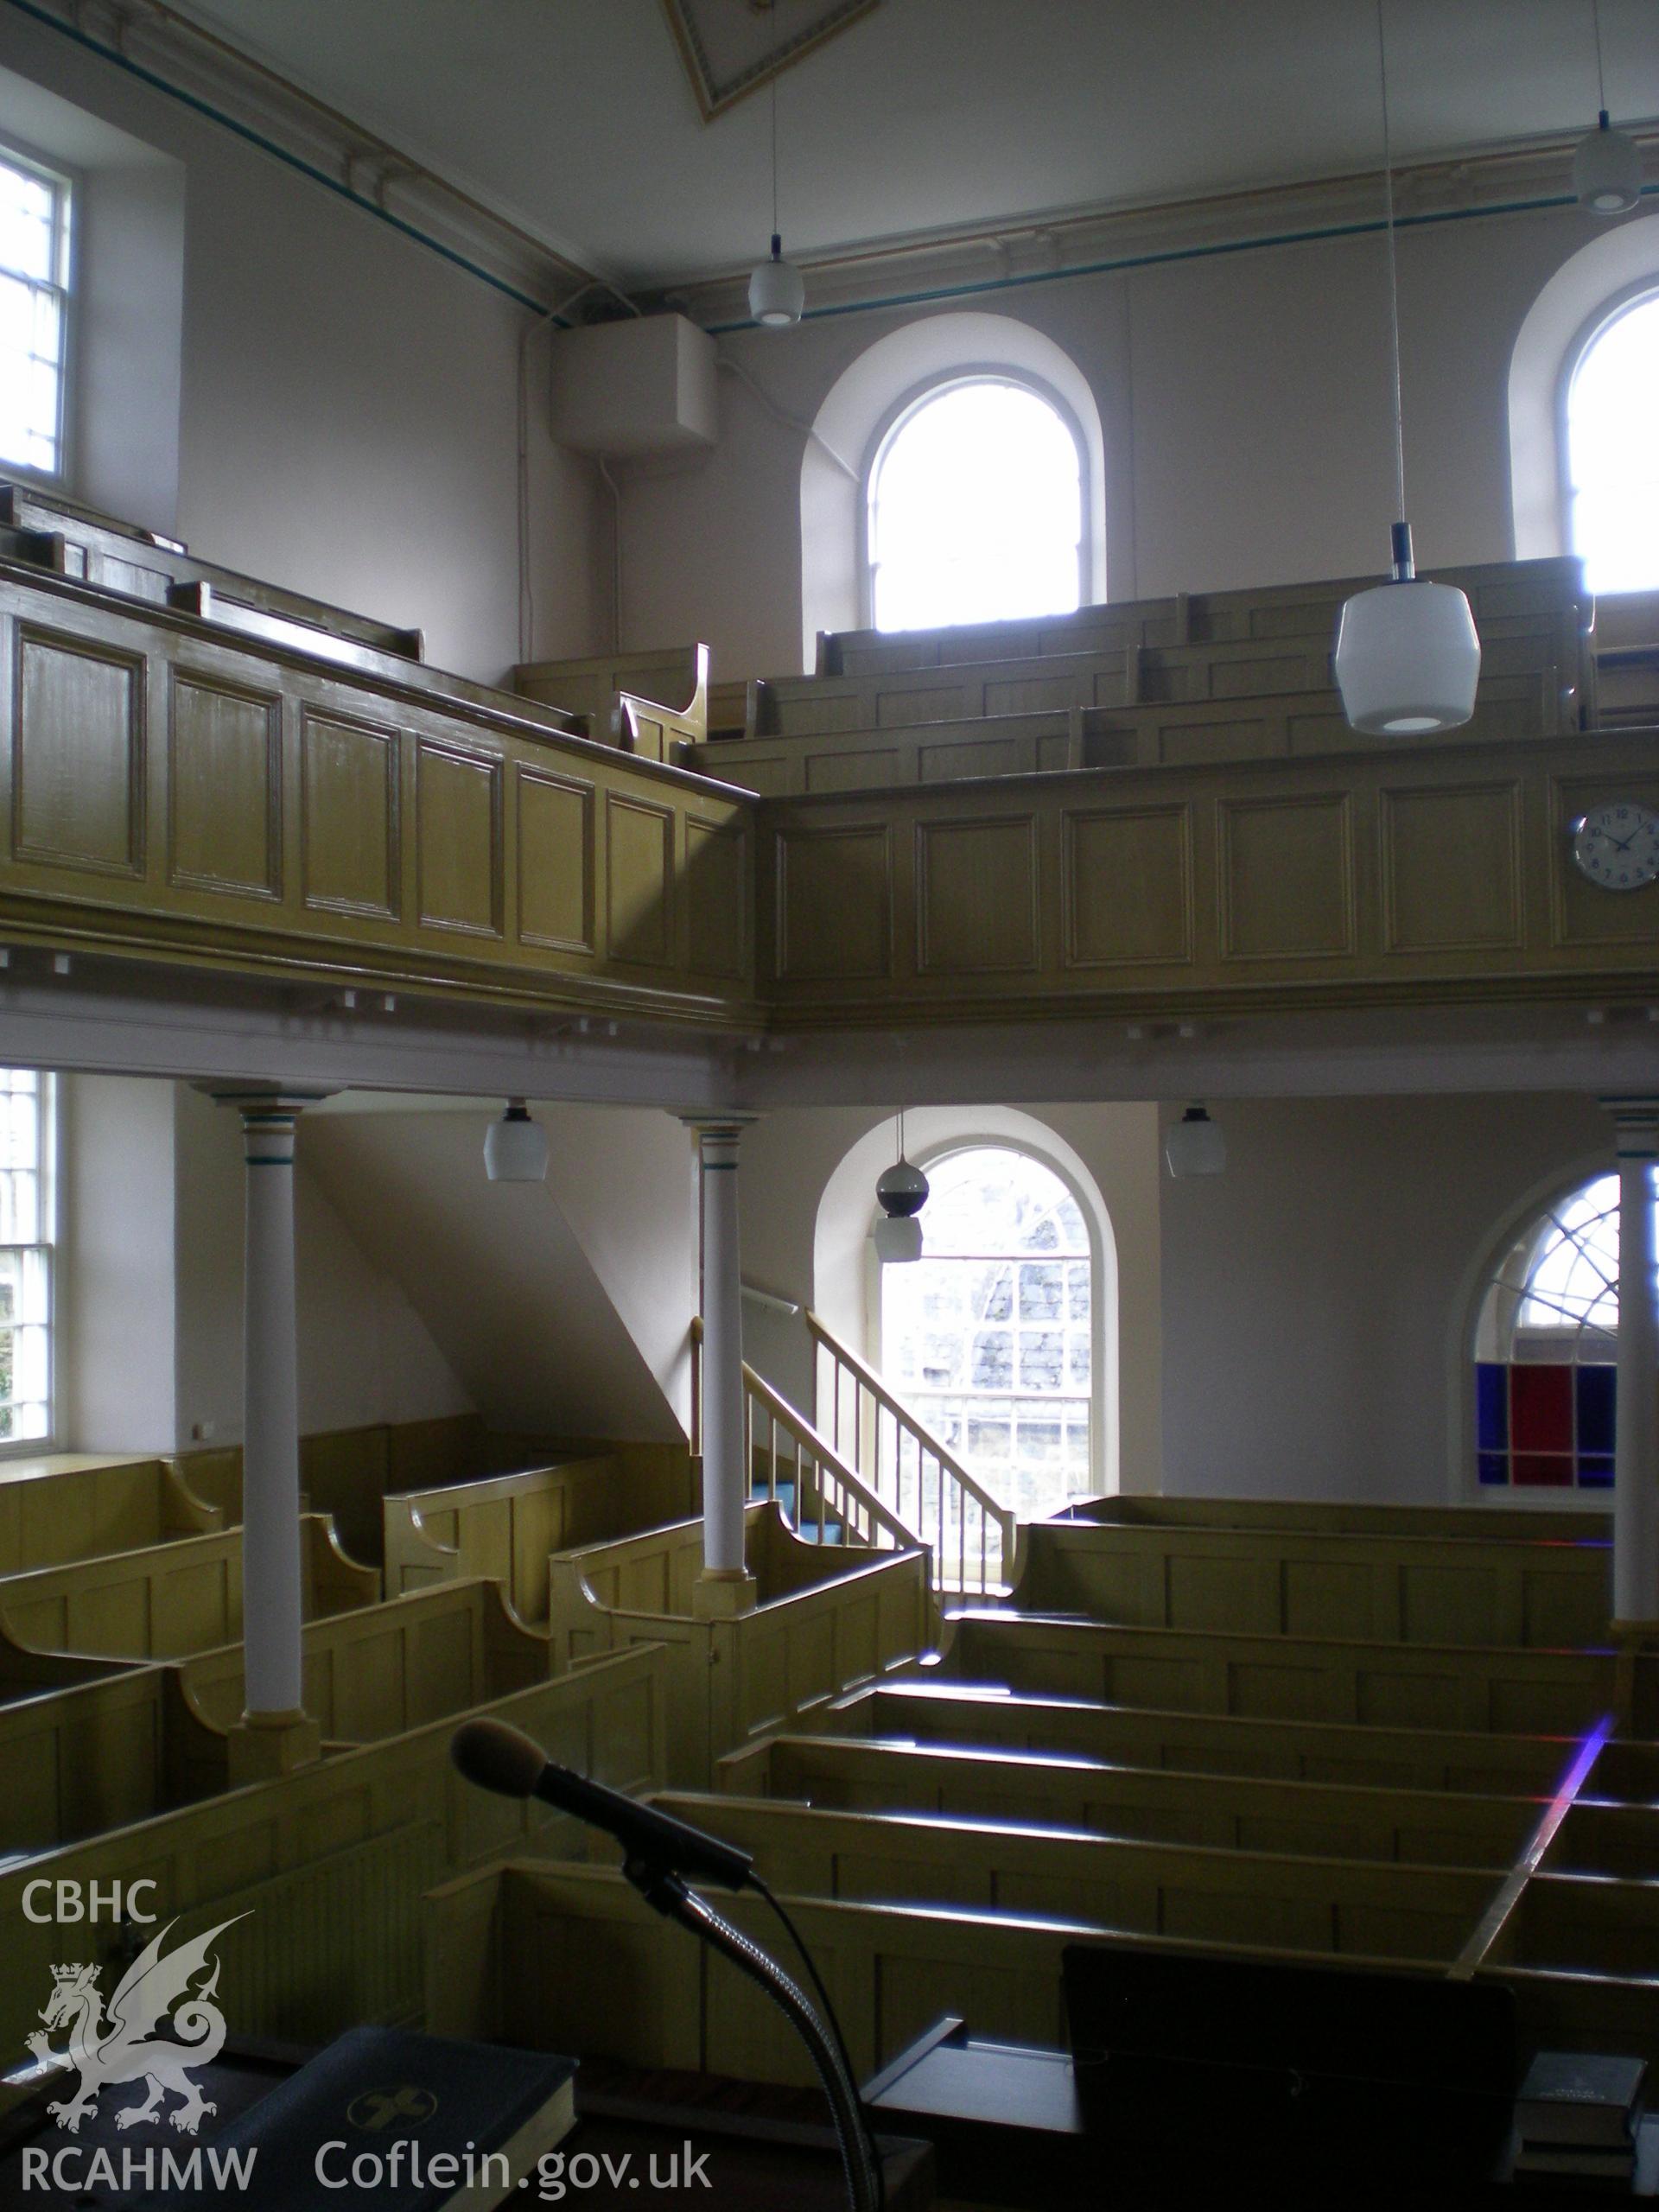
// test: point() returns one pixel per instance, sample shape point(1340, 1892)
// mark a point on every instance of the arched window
point(1545, 1348)
point(989, 1338)
point(1612, 450)
point(975, 508)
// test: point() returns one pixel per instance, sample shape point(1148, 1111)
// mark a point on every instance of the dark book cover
point(412, 2122)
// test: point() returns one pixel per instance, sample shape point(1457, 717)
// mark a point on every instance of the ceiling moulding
point(992, 257)
point(731, 47)
point(166, 44)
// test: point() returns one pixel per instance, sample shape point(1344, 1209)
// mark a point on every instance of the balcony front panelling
point(459, 857)
point(349, 792)
point(1286, 880)
point(79, 745)
point(1451, 867)
point(224, 787)
point(1127, 887)
point(835, 903)
point(976, 897)
point(556, 859)
point(639, 873)
point(718, 897)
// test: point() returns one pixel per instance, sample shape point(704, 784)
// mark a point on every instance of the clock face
point(1617, 845)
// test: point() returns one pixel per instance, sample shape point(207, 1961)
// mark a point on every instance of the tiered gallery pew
point(1231, 675)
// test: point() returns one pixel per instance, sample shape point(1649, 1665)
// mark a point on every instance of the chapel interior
point(778, 994)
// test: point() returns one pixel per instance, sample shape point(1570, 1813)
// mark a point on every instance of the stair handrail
point(877, 1518)
point(1000, 1516)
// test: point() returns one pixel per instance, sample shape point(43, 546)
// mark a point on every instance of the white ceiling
point(575, 118)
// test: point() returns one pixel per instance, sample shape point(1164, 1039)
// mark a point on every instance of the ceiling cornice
point(167, 48)
point(1009, 255)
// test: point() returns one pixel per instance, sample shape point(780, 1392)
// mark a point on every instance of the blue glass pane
point(1493, 1467)
point(1595, 1474)
point(1596, 1388)
point(1491, 1408)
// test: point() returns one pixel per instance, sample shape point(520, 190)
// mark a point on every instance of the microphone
point(496, 1757)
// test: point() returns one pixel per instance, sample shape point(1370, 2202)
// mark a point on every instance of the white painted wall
point(1244, 403)
point(1314, 1295)
point(349, 398)
point(564, 1308)
point(149, 1283)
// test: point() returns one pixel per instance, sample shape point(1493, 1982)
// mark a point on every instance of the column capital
point(720, 1125)
point(264, 1098)
point(1635, 1124)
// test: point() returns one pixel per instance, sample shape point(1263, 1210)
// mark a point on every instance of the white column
point(1636, 1462)
point(271, 1610)
point(725, 1479)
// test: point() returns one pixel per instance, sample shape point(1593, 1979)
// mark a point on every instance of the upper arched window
point(1612, 450)
point(989, 1338)
point(1546, 1344)
point(975, 508)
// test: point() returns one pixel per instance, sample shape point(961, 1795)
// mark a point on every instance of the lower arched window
point(975, 508)
point(1546, 1345)
point(989, 1338)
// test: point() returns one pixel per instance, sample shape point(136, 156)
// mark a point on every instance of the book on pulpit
point(407, 2122)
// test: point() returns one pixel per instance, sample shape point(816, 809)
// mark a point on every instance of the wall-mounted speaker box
point(646, 384)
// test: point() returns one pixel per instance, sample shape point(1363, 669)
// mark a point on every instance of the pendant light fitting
point(777, 292)
point(1607, 163)
point(901, 1192)
point(1408, 656)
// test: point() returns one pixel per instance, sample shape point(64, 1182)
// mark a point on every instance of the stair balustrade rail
point(974, 1539)
point(785, 1439)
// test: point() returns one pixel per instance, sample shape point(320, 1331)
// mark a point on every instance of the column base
point(263, 1747)
point(722, 1594)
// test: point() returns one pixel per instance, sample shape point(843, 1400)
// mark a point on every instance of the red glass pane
point(1540, 1408)
point(1543, 1470)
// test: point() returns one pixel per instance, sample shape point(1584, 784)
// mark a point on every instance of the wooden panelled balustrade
point(175, 789)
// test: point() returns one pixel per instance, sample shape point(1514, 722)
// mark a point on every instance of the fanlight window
point(1545, 1350)
point(1612, 446)
point(989, 1338)
point(975, 509)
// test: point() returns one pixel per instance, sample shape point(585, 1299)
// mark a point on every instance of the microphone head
point(496, 1757)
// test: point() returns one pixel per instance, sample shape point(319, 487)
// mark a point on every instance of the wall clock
point(1617, 845)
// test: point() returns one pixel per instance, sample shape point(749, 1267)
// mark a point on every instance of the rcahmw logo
point(121, 2043)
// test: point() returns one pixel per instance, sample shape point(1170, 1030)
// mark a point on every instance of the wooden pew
point(1499, 592)
point(648, 704)
point(50, 1514)
point(929, 1711)
point(383, 1669)
point(1291, 1677)
point(1222, 1812)
point(507, 1525)
point(1626, 643)
point(567, 1958)
point(83, 1758)
point(1337, 1517)
point(168, 1600)
point(1511, 1588)
point(1133, 1887)
point(828, 1618)
point(331, 1863)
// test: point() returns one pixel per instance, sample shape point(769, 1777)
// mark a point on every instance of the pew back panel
point(59, 1514)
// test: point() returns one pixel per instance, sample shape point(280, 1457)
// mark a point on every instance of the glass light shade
point(897, 1239)
point(515, 1147)
point(1196, 1146)
point(776, 293)
point(1407, 659)
point(1607, 170)
point(901, 1191)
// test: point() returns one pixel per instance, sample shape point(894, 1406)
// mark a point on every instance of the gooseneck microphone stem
point(669, 1895)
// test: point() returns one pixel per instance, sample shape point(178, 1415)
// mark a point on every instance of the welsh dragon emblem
point(122, 2046)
